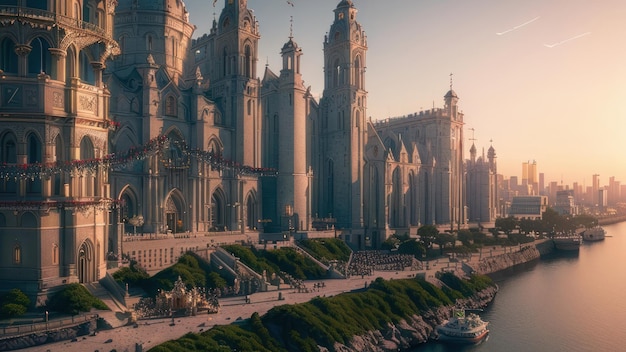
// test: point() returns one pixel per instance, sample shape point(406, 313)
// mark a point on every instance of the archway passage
point(175, 219)
point(86, 266)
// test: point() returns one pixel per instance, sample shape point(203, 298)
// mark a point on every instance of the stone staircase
point(119, 314)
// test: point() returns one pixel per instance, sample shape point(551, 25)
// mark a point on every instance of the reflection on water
point(563, 303)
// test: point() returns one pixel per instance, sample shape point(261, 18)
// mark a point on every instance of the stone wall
point(505, 261)
point(44, 337)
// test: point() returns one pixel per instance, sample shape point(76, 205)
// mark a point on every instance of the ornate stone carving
point(58, 99)
point(87, 103)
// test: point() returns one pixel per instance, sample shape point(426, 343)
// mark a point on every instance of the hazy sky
point(544, 79)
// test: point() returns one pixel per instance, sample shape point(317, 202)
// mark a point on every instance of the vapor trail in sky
point(566, 40)
point(518, 26)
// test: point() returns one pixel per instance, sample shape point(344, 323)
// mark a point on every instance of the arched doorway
point(251, 217)
point(218, 215)
point(86, 266)
point(174, 214)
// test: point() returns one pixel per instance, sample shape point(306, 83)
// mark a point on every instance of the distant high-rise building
point(595, 187)
point(613, 191)
point(565, 203)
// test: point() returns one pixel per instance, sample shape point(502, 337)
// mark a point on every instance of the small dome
point(451, 94)
point(290, 45)
point(473, 149)
point(345, 3)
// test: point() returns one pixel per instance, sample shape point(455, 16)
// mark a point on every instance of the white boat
point(462, 328)
point(567, 242)
point(594, 234)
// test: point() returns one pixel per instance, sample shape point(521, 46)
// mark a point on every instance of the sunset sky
point(544, 79)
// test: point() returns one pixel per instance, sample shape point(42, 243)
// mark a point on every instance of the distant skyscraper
point(595, 187)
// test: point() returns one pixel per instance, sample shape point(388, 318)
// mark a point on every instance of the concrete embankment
point(491, 265)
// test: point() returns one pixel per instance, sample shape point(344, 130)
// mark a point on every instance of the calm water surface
point(565, 303)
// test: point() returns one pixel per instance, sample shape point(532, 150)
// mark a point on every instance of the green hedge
point(324, 321)
point(74, 299)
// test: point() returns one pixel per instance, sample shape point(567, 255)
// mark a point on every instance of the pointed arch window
point(336, 71)
point(248, 62)
point(225, 62)
point(330, 186)
point(8, 57)
point(58, 153)
point(17, 254)
point(8, 150)
point(55, 254)
point(86, 71)
point(357, 73)
point(171, 106)
point(38, 61)
point(88, 178)
point(34, 156)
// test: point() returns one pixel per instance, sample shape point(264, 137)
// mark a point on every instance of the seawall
point(495, 264)
point(40, 338)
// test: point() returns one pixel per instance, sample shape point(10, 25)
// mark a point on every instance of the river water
point(564, 303)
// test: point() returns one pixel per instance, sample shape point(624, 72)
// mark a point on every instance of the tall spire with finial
point(290, 27)
point(451, 80)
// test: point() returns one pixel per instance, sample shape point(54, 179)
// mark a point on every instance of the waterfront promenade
point(149, 333)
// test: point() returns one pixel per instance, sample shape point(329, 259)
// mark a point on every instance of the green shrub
point(74, 299)
point(133, 275)
point(14, 304)
point(12, 310)
point(326, 249)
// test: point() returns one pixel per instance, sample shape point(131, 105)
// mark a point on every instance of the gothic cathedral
point(114, 119)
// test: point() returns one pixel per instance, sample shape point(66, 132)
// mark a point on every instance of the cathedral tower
point(343, 129)
point(235, 84)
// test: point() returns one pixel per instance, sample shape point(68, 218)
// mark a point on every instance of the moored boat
point(567, 242)
point(462, 328)
point(594, 234)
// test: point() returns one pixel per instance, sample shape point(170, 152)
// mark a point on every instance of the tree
point(412, 247)
point(506, 224)
point(466, 237)
point(427, 235)
point(442, 239)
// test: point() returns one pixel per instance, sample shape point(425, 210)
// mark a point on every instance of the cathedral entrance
point(86, 265)
point(174, 219)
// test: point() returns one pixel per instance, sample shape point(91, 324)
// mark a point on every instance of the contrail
point(566, 40)
point(519, 26)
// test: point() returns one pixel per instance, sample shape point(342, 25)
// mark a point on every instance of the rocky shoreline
point(418, 329)
point(412, 332)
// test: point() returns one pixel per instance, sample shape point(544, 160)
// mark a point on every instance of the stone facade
point(223, 125)
point(54, 109)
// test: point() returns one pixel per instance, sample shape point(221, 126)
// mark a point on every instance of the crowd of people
point(366, 262)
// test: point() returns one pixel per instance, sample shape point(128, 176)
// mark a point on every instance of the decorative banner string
point(74, 205)
point(117, 161)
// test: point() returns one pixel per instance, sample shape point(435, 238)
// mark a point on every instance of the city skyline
point(540, 82)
